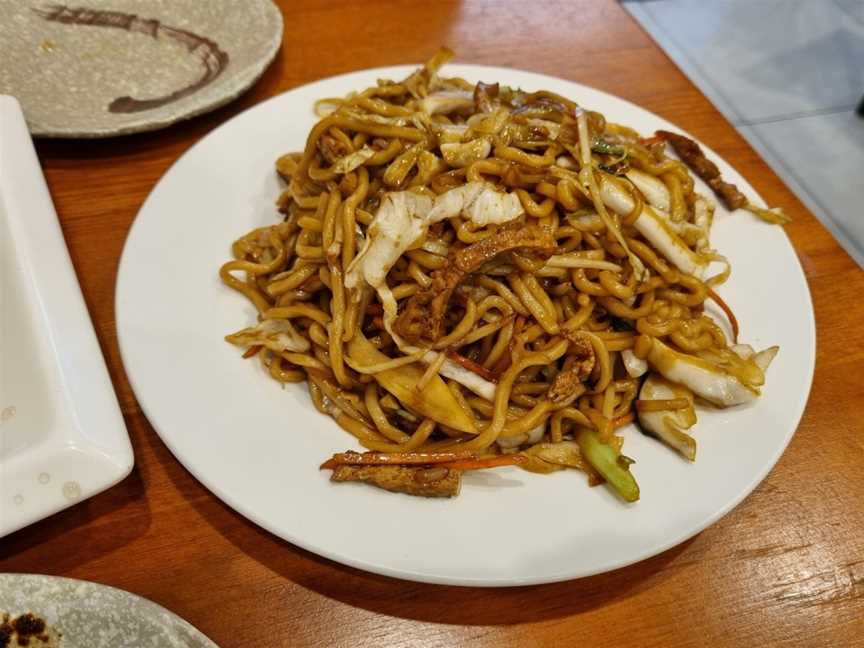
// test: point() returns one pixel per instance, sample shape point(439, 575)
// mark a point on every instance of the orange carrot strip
point(485, 462)
point(470, 365)
point(725, 307)
point(251, 351)
point(648, 141)
point(621, 421)
point(395, 458)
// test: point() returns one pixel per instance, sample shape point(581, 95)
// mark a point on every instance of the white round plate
point(81, 614)
point(99, 68)
point(258, 446)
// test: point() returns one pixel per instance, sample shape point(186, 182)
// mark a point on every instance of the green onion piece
point(614, 467)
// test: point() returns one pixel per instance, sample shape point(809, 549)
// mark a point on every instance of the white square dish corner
point(62, 436)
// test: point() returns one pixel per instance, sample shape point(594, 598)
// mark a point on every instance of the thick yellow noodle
point(519, 321)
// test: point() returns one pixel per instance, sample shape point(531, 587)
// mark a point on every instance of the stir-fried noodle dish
point(474, 275)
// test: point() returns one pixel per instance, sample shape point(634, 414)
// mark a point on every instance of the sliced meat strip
point(423, 481)
point(691, 153)
point(424, 313)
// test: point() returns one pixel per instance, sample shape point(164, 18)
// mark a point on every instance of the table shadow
point(80, 534)
point(432, 603)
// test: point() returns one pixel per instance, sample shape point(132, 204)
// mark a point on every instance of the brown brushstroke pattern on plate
point(211, 56)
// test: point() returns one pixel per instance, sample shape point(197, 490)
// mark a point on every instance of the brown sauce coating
point(424, 313)
point(22, 629)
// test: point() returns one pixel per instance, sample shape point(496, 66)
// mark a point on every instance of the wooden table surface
point(784, 568)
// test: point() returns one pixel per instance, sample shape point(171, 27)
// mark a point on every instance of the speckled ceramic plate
point(97, 68)
point(79, 614)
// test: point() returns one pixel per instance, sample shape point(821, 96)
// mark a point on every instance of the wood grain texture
point(786, 568)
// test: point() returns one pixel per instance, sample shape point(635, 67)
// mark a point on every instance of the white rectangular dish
point(62, 437)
